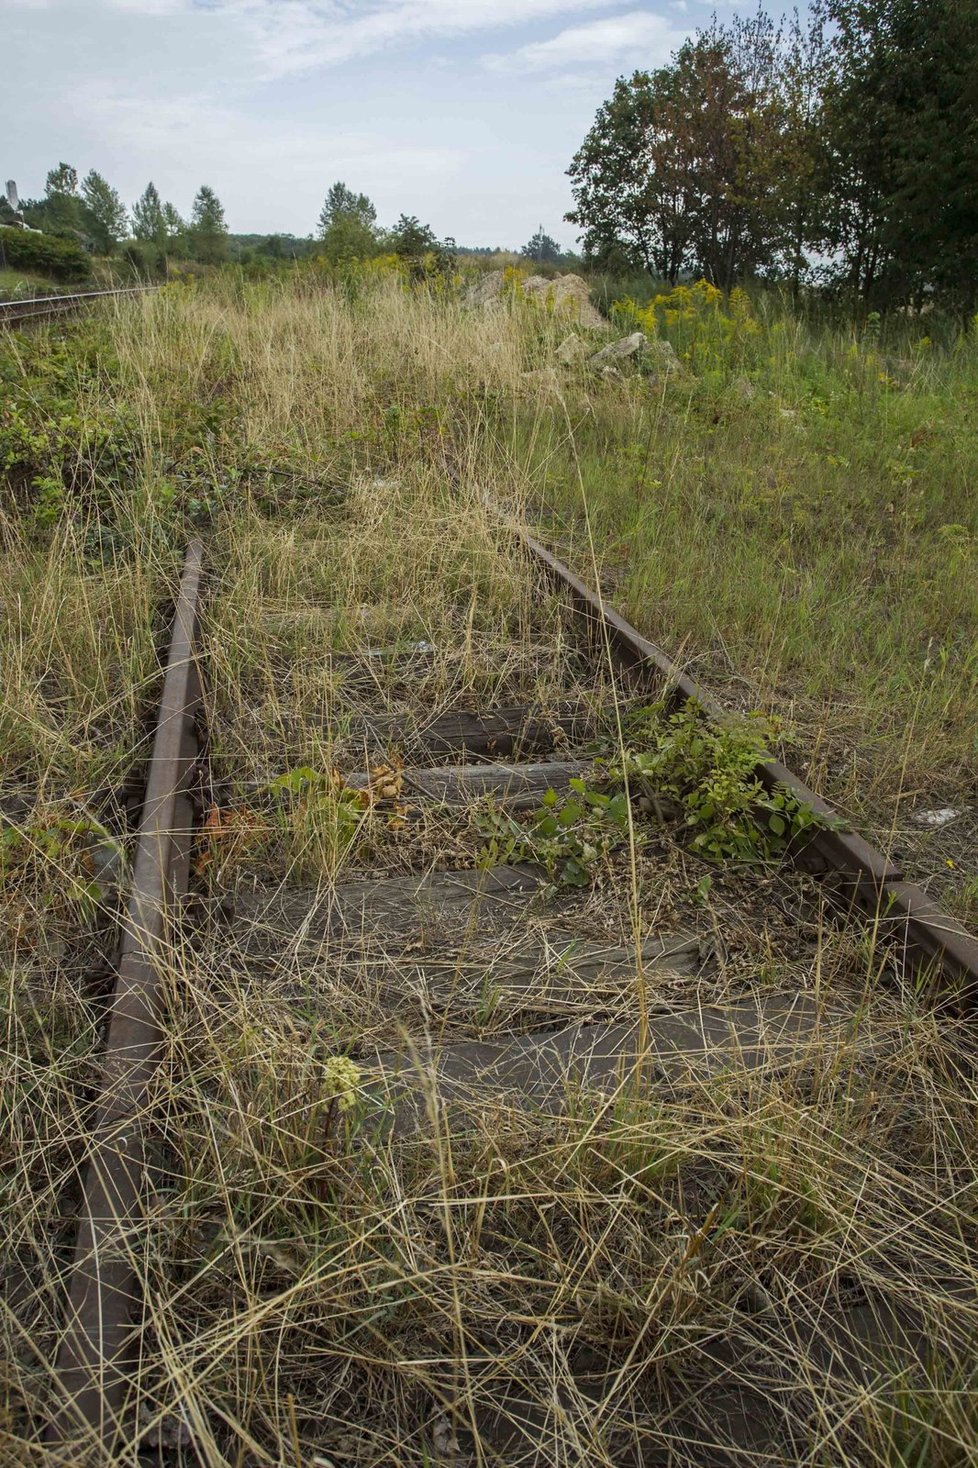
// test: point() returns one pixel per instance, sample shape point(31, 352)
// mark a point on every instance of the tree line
point(839, 152)
point(91, 211)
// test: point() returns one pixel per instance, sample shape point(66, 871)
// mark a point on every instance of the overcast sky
point(464, 112)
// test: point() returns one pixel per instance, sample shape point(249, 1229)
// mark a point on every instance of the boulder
point(661, 354)
point(543, 377)
point(565, 292)
point(617, 351)
point(572, 350)
point(568, 293)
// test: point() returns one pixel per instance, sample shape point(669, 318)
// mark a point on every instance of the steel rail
point(104, 1307)
point(38, 307)
point(864, 881)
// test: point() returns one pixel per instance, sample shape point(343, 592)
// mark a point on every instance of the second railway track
point(492, 1034)
point(49, 308)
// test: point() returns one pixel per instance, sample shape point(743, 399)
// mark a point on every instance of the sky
point(464, 112)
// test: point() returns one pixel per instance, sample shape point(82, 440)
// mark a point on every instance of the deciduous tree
point(105, 212)
point(148, 219)
point(208, 231)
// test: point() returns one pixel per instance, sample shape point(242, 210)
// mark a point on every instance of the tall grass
point(782, 1253)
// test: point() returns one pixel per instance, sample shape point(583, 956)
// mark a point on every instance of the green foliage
point(901, 113)
point(678, 764)
point(568, 837)
point(61, 258)
point(105, 212)
point(208, 233)
point(62, 180)
point(542, 248)
point(319, 817)
point(710, 772)
point(347, 239)
point(846, 156)
point(148, 223)
point(347, 226)
point(342, 203)
point(425, 256)
point(53, 857)
point(684, 168)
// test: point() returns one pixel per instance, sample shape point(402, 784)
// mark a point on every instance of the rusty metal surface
point(103, 1315)
point(868, 882)
point(39, 308)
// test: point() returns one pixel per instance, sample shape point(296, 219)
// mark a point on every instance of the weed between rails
point(780, 1251)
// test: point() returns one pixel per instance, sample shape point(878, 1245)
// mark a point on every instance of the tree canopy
point(107, 216)
point(842, 151)
point(542, 247)
point(347, 225)
point(208, 229)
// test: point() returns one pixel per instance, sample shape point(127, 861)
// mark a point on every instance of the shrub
point(63, 259)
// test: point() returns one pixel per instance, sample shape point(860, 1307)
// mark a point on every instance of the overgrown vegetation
point(60, 258)
point(777, 1250)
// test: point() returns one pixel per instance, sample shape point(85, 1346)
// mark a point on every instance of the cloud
point(298, 35)
point(230, 144)
point(639, 37)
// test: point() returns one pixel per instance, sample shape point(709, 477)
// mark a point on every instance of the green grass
point(319, 1292)
point(793, 515)
point(15, 284)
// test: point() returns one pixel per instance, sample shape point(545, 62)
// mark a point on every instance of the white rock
point(485, 289)
point(941, 817)
point(545, 377)
point(569, 295)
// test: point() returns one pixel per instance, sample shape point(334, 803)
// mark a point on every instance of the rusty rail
point(13, 313)
point(104, 1308)
point(863, 880)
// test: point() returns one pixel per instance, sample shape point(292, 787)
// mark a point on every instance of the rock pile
point(565, 292)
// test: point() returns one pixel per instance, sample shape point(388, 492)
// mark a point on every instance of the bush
point(21, 249)
point(141, 259)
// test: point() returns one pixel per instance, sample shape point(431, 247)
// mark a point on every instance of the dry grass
point(768, 1262)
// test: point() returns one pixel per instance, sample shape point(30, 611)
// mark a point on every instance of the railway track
point(41, 308)
point(495, 992)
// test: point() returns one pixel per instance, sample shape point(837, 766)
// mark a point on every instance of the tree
point(420, 249)
point(174, 224)
point(208, 230)
point(805, 161)
point(693, 167)
point(62, 180)
point(347, 225)
point(105, 213)
point(61, 211)
point(149, 222)
point(541, 247)
point(342, 202)
point(902, 114)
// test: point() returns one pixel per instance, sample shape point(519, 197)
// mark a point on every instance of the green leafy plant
point(320, 817)
point(708, 772)
point(62, 858)
point(568, 837)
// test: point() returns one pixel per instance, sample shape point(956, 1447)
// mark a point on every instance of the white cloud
point(297, 35)
point(639, 37)
point(226, 141)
